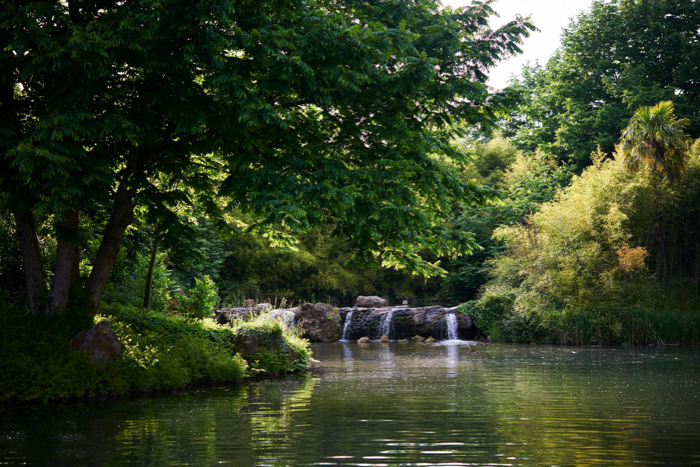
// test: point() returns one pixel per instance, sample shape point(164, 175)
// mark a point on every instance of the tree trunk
point(122, 216)
point(31, 260)
point(64, 277)
point(149, 276)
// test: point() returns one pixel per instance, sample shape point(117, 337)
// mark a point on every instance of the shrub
point(200, 300)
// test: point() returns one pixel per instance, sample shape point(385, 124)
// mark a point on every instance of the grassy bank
point(160, 351)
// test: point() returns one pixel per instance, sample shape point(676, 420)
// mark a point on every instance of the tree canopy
point(303, 112)
point(621, 55)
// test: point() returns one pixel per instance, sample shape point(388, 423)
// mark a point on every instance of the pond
point(394, 405)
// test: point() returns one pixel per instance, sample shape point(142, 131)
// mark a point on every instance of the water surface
point(394, 405)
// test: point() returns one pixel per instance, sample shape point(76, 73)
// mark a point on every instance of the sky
point(550, 16)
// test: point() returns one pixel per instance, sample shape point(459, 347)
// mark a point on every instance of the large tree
point(621, 55)
point(302, 112)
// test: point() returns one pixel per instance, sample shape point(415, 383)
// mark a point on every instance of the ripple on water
point(411, 404)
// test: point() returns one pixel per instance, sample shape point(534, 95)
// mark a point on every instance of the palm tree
point(655, 137)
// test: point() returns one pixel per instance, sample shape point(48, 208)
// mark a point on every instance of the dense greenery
point(522, 183)
point(298, 113)
point(581, 269)
point(613, 258)
point(620, 55)
point(160, 352)
point(160, 159)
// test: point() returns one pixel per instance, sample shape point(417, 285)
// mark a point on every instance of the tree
point(302, 112)
point(655, 137)
point(621, 55)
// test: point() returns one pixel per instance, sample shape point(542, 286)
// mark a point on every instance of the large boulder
point(247, 344)
point(320, 322)
point(98, 344)
point(371, 301)
point(464, 321)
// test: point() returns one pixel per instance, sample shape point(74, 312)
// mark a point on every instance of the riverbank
point(159, 351)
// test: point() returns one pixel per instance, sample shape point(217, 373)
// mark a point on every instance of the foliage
point(489, 160)
point(200, 300)
point(523, 182)
point(320, 268)
point(655, 137)
point(621, 55)
point(303, 113)
point(278, 344)
point(577, 272)
point(128, 281)
point(11, 272)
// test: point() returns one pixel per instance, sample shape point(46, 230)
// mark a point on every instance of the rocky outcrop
point(99, 344)
point(266, 346)
point(227, 315)
point(371, 301)
point(319, 322)
point(405, 322)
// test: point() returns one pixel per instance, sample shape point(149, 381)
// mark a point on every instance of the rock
point(371, 301)
point(246, 344)
point(227, 315)
point(363, 340)
point(403, 341)
point(384, 339)
point(319, 322)
point(464, 321)
point(251, 342)
point(418, 339)
point(249, 303)
point(430, 339)
point(99, 343)
point(429, 321)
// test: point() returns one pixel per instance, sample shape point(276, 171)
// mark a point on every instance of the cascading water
point(451, 320)
point(346, 326)
point(385, 324)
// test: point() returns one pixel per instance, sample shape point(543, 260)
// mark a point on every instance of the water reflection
point(397, 404)
point(452, 360)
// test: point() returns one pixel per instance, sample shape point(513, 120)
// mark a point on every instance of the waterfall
point(385, 324)
point(346, 326)
point(451, 320)
point(286, 317)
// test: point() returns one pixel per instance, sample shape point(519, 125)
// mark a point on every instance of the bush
point(200, 300)
point(281, 349)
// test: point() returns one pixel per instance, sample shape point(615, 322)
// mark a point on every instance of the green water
point(395, 404)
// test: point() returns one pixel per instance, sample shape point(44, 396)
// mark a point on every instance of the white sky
point(550, 16)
